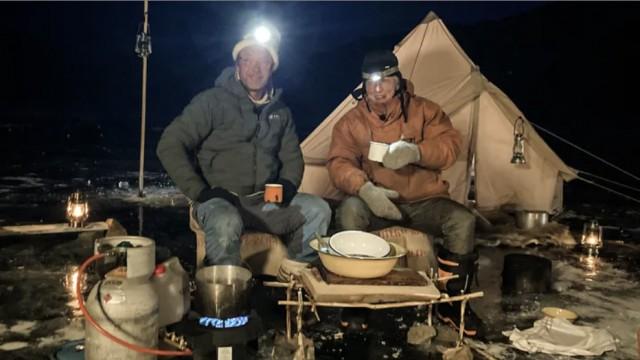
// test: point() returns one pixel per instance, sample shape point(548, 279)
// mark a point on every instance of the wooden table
point(371, 296)
point(111, 226)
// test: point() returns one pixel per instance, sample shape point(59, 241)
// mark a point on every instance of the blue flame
point(217, 323)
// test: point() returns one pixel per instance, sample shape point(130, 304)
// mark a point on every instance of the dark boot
point(465, 266)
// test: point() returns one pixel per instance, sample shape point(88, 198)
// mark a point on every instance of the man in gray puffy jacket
point(228, 143)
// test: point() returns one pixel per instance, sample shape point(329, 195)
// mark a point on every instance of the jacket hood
point(227, 80)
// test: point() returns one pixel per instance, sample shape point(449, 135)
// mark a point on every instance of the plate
point(561, 313)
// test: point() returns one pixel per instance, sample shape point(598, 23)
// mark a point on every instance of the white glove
point(400, 154)
point(377, 198)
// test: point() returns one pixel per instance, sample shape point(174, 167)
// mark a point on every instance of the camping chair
point(420, 252)
point(264, 252)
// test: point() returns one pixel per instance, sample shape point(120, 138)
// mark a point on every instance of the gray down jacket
point(219, 140)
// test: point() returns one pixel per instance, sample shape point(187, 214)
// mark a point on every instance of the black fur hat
point(383, 62)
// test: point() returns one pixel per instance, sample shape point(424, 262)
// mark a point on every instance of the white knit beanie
point(271, 44)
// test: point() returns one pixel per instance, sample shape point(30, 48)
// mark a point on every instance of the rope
point(609, 180)
point(609, 189)
point(585, 151)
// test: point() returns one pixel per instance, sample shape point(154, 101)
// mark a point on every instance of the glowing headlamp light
point(262, 34)
point(379, 75)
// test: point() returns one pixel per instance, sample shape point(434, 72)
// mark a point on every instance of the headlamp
point(262, 34)
point(379, 75)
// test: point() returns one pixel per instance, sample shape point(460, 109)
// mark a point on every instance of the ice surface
point(40, 272)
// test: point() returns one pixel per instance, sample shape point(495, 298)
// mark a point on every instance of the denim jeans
point(441, 217)
point(223, 226)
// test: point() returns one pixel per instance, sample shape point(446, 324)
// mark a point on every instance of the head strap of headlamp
point(384, 73)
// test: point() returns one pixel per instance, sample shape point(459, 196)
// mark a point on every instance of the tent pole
point(143, 115)
point(471, 183)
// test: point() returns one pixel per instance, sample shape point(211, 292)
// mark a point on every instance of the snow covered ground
point(38, 312)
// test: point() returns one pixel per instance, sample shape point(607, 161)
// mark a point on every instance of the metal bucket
point(529, 219)
point(223, 291)
point(526, 274)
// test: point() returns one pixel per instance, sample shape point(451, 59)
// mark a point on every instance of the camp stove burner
point(229, 323)
point(212, 338)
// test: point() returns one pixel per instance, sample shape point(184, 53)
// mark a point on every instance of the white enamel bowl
point(360, 267)
point(359, 243)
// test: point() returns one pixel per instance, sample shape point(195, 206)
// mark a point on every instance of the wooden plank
point(39, 229)
point(322, 292)
point(397, 277)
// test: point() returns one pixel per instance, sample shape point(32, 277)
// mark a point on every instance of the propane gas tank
point(171, 284)
point(126, 308)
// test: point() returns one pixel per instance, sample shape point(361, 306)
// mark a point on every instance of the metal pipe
point(143, 114)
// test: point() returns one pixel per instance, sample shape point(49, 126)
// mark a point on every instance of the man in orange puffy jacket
point(406, 186)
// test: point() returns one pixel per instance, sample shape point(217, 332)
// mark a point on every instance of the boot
point(465, 266)
point(290, 267)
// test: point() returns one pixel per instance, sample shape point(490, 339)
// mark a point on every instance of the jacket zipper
point(255, 145)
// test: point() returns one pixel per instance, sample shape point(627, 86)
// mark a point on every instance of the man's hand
point(400, 154)
point(377, 198)
point(289, 190)
point(268, 217)
point(217, 192)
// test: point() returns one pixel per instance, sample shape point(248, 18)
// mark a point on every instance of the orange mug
point(273, 193)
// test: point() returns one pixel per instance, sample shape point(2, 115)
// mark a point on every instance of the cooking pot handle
point(246, 265)
point(252, 281)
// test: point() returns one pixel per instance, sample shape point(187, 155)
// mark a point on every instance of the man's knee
point(352, 214)
point(313, 207)
point(219, 216)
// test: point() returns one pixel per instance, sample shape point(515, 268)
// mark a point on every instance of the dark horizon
point(72, 81)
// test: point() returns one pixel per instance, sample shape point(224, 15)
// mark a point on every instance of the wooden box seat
point(264, 252)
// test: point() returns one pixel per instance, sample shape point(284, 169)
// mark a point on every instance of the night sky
point(68, 73)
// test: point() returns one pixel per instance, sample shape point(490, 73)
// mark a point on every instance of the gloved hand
point(289, 190)
point(377, 198)
point(400, 154)
point(257, 215)
point(217, 192)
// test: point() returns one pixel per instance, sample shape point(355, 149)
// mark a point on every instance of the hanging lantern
point(77, 210)
point(143, 41)
point(518, 142)
point(591, 237)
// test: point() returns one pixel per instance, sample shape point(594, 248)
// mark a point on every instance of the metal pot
point(223, 291)
point(529, 219)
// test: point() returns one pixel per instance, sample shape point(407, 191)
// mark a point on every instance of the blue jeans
point(223, 226)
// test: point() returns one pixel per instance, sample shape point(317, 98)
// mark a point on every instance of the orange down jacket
point(427, 126)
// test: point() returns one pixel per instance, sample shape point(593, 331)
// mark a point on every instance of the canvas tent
point(440, 70)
